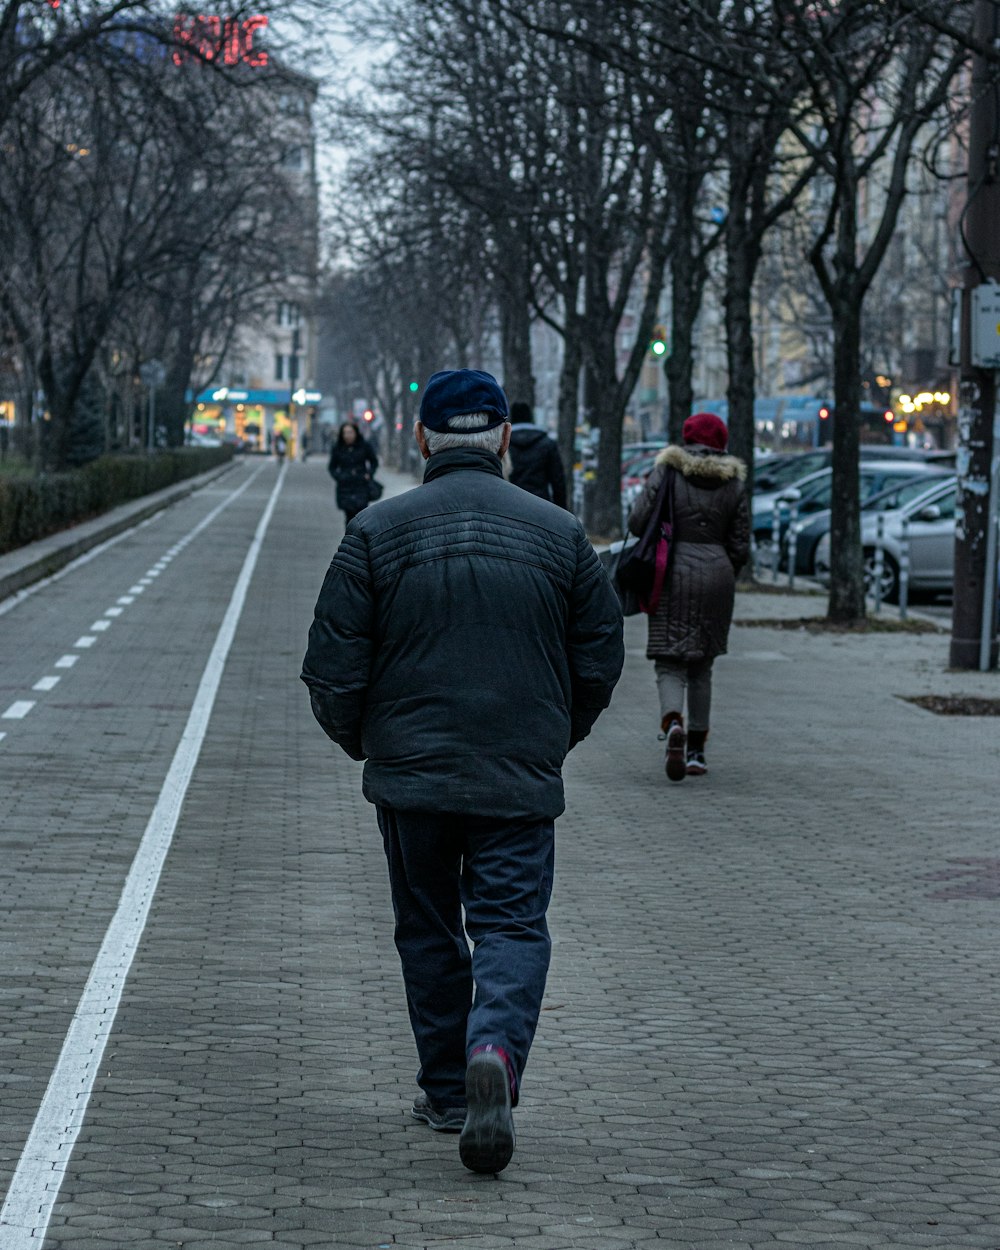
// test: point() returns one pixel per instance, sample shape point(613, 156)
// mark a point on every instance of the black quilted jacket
point(465, 638)
point(711, 544)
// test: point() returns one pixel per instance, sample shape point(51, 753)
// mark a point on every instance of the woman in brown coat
point(711, 542)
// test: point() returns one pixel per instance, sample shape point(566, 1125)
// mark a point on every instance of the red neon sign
point(228, 40)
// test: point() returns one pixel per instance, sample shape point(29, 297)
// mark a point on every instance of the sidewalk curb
point(24, 565)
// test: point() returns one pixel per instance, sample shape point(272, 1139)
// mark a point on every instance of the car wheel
point(890, 576)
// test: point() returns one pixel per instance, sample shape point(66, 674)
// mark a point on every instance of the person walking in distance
point(352, 466)
point(534, 463)
point(710, 544)
point(465, 639)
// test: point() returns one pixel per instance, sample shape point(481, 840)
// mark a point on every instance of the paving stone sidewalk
point(771, 1017)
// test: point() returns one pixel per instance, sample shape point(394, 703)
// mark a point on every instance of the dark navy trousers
point(500, 871)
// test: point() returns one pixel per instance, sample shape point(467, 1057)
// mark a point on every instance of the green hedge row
point(31, 507)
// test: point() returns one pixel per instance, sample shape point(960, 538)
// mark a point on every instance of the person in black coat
point(465, 639)
point(534, 462)
point(352, 466)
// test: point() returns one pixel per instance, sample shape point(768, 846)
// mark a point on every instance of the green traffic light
point(658, 348)
point(414, 386)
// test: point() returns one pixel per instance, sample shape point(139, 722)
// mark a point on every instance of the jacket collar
point(456, 458)
point(694, 461)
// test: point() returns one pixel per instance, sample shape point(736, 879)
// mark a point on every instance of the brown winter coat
point(711, 543)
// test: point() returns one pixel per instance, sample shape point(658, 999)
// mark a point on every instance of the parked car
point(785, 468)
point(814, 493)
point(810, 528)
point(931, 536)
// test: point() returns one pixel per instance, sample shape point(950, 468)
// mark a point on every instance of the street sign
point(153, 373)
point(986, 326)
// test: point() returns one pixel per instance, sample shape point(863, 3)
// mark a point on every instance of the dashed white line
point(66, 661)
point(87, 640)
point(125, 599)
point(100, 626)
point(137, 589)
point(114, 611)
point(46, 683)
point(18, 710)
point(35, 1184)
point(2, 736)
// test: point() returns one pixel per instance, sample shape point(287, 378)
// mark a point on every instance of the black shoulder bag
point(641, 570)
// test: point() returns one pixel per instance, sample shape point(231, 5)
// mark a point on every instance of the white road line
point(66, 661)
point(125, 599)
point(136, 589)
point(2, 736)
point(153, 573)
point(100, 626)
point(46, 683)
point(114, 611)
point(18, 710)
point(12, 602)
point(19, 596)
point(34, 1187)
point(87, 640)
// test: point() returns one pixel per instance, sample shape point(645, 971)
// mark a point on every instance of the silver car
point(930, 534)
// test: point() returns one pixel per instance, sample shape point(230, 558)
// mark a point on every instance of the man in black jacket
point(534, 461)
point(465, 638)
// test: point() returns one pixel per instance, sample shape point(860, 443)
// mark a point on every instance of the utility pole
point(973, 639)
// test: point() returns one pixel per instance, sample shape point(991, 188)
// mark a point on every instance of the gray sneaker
point(441, 1119)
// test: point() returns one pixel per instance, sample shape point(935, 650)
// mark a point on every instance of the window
point(289, 313)
point(279, 367)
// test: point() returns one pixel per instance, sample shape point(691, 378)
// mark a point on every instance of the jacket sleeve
point(372, 460)
point(642, 509)
point(594, 641)
point(341, 641)
point(557, 478)
point(334, 460)
point(738, 538)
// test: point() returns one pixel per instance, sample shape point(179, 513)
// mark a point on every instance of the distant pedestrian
point(534, 461)
point(352, 466)
point(711, 543)
point(465, 639)
point(280, 447)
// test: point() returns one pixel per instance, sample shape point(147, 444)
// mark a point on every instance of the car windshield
point(791, 470)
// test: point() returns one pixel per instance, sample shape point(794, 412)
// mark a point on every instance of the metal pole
point(879, 561)
point(976, 447)
point(793, 542)
point(989, 627)
point(152, 416)
point(904, 567)
point(775, 539)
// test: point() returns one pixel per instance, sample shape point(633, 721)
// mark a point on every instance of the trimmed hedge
point(32, 507)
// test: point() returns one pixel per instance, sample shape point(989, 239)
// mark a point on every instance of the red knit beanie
point(707, 429)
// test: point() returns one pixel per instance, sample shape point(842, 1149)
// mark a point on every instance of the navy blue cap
point(458, 392)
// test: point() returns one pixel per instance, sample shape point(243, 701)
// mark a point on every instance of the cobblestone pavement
point(772, 1013)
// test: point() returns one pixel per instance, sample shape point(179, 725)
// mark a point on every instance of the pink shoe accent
point(490, 1049)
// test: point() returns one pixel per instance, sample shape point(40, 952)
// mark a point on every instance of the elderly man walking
point(465, 639)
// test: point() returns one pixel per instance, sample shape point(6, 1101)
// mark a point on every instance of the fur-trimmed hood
point(702, 462)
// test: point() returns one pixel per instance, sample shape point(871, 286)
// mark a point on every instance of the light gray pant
point(674, 677)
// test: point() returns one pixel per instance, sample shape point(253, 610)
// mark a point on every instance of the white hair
point(473, 422)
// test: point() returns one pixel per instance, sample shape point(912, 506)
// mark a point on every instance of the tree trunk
point(605, 519)
point(515, 339)
point(687, 277)
point(742, 254)
point(847, 585)
point(569, 401)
